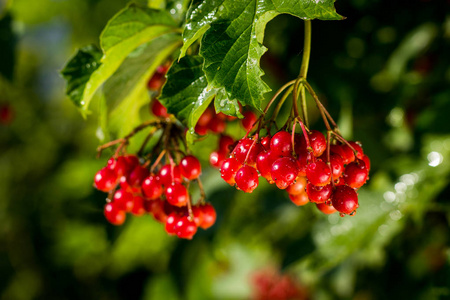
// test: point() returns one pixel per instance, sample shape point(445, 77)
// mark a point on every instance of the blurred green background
point(384, 73)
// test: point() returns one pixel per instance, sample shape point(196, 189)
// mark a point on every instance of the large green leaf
point(130, 28)
point(233, 32)
point(186, 93)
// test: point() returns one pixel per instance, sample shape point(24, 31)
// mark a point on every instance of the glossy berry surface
point(318, 173)
point(284, 172)
point(151, 188)
point(247, 179)
point(185, 228)
point(190, 167)
point(158, 109)
point(177, 194)
point(281, 143)
point(297, 187)
point(299, 199)
point(113, 214)
point(248, 120)
point(326, 209)
point(105, 180)
point(355, 174)
point(344, 199)
point(229, 169)
point(169, 174)
point(318, 142)
point(318, 194)
point(208, 216)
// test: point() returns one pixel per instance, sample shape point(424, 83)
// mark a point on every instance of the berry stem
point(255, 139)
point(329, 133)
point(305, 133)
point(342, 140)
point(202, 191)
point(280, 104)
point(158, 159)
point(306, 50)
point(277, 94)
point(321, 107)
point(189, 205)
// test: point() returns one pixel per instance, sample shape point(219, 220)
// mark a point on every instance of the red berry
point(208, 216)
point(216, 159)
point(326, 209)
point(158, 109)
point(318, 142)
point(284, 172)
point(225, 142)
point(303, 160)
point(299, 144)
point(137, 176)
point(358, 148)
point(318, 194)
point(242, 148)
point(156, 82)
point(247, 179)
point(299, 199)
point(206, 117)
point(318, 173)
point(156, 208)
point(265, 142)
point(171, 221)
point(344, 199)
point(229, 169)
point(248, 120)
point(138, 206)
point(264, 164)
point(297, 187)
point(337, 164)
point(190, 167)
point(217, 125)
point(113, 214)
point(105, 180)
point(123, 200)
point(169, 174)
point(125, 164)
point(281, 143)
point(151, 188)
point(185, 228)
point(344, 151)
point(177, 194)
point(201, 129)
point(367, 162)
point(198, 215)
point(355, 174)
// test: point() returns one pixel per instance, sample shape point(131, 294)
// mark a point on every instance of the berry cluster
point(305, 165)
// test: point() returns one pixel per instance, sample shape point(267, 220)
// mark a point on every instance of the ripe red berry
point(217, 125)
point(344, 151)
point(216, 159)
point(198, 215)
point(151, 188)
point(318, 194)
point(318, 142)
point(337, 165)
point(297, 187)
point(345, 199)
point(190, 167)
point(264, 164)
point(208, 216)
point(137, 176)
point(123, 200)
point(185, 228)
point(125, 164)
point(225, 142)
point(206, 117)
point(229, 169)
point(247, 179)
point(303, 160)
point(326, 209)
point(171, 221)
point(138, 206)
point(242, 148)
point(265, 142)
point(358, 148)
point(284, 172)
point(201, 129)
point(318, 173)
point(281, 143)
point(158, 109)
point(248, 120)
point(355, 174)
point(169, 174)
point(367, 162)
point(177, 194)
point(113, 214)
point(299, 199)
point(105, 180)
point(156, 208)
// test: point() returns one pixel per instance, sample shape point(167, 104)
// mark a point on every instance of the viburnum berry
point(185, 228)
point(138, 206)
point(151, 187)
point(281, 143)
point(284, 171)
point(190, 167)
point(327, 209)
point(217, 125)
point(177, 194)
point(137, 176)
point(318, 194)
point(344, 199)
point(197, 213)
point(264, 163)
point(243, 147)
point(337, 165)
point(299, 199)
point(318, 173)
point(344, 151)
point(303, 160)
point(247, 179)
point(355, 174)
point(113, 214)
point(123, 200)
point(216, 159)
point(171, 221)
point(206, 117)
point(225, 142)
point(105, 180)
point(208, 216)
point(366, 160)
point(358, 149)
point(229, 169)
point(156, 208)
point(265, 142)
point(297, 187)
point(169, 174)
point(248, 120)
point(318, 142)
point(158, 109)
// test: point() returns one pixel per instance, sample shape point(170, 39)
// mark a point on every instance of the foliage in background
point(384, 71)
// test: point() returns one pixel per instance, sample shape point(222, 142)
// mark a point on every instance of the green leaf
point(130, 28)
point(186, 93)
point(233, 32)
point(78, 71)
